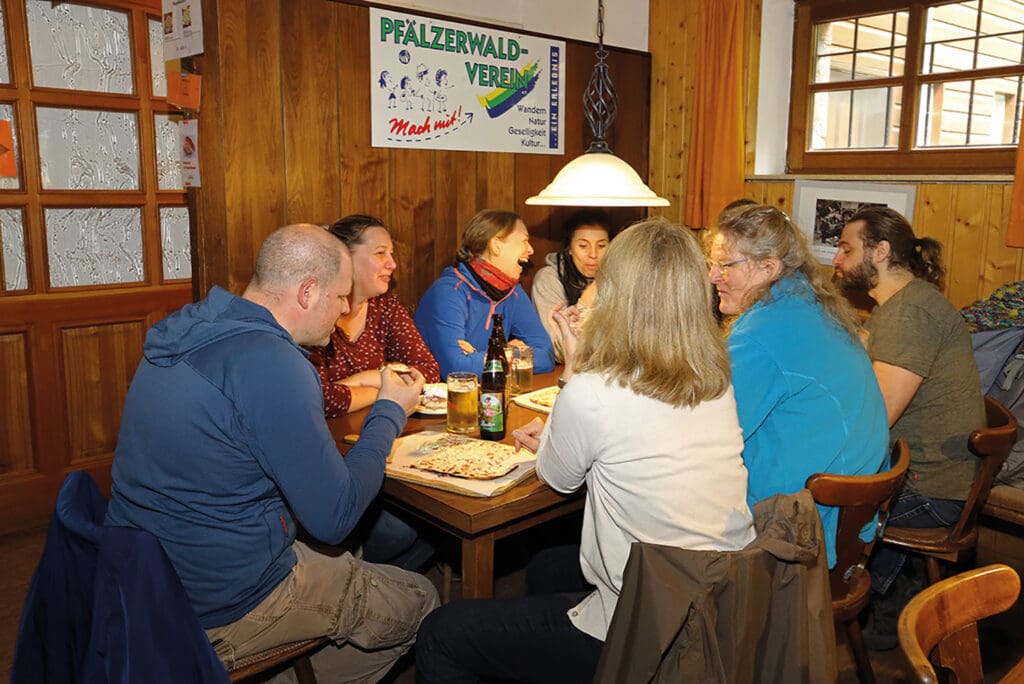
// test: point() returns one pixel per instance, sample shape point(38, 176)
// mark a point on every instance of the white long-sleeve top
point(654, 473)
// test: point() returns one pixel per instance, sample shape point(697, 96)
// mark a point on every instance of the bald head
point(295, 253)
point(303, 277)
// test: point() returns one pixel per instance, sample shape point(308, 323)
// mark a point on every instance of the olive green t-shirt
point(919, 330)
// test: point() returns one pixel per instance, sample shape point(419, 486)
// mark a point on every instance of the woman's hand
point(367, 378)
point(528, 436)
point(466, 347)
point(567, 320)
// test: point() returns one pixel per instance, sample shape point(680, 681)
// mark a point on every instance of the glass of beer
point(463, 398)
point(521, 380)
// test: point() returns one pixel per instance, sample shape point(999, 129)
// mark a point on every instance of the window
point(96, 190)
point(926, 87)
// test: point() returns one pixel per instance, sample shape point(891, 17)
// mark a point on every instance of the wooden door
point(94, 244)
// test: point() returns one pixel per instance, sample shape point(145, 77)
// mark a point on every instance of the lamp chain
point(600, 101)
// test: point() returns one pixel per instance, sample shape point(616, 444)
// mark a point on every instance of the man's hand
point(528, 436)
point(466, 347)
point(402, 388)
point(367, 378)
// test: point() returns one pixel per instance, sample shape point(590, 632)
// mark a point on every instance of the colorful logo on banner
point(442, 85)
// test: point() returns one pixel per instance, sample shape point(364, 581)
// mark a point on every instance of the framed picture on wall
point(822, 208)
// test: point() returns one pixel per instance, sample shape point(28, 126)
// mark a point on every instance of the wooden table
point(476, 522)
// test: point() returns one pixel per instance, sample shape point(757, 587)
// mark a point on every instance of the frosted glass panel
point(83, 149)
point(5, 69)
point(177, 254)
point(79, 47)
point(168, 161)
point(95, 246)
point(156, 57)
point(7, 114)
point(12, 235)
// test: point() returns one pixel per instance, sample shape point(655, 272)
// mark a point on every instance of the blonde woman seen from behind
point(649, 413)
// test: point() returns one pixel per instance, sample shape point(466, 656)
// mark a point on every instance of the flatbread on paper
point(472, 459)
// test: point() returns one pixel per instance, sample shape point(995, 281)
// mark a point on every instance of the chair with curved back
point(944, 617)
point(992, 444)
point(859, 498)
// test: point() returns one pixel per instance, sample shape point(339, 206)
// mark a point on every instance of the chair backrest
point(946, 613)
point(859, 498)
point(992, 444)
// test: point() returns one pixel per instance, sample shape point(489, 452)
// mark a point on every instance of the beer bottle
point(492, 385)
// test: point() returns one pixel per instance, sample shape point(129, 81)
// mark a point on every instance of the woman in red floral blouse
point(376, 330)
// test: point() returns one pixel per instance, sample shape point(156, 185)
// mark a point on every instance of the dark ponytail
point(928, 264)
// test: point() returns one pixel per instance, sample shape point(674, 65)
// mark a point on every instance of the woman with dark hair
point(570, 271)
point(807, 399)
point(455, 314)
point(377, 328)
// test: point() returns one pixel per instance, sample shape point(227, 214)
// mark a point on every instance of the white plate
point(437, 388)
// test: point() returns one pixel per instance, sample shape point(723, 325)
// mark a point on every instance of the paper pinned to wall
point(188, 144)
point(183, 28)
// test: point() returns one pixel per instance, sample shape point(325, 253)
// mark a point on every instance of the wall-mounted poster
point(445, 86)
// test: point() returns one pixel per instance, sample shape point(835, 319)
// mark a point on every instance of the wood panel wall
point(285, 137)
point(969, 219)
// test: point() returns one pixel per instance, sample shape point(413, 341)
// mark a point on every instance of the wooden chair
point(297, 654)
point(945, 616)
point(992, 444)
point(859, 498)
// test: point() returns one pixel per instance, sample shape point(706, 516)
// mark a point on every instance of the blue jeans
point(909, 510)
point(389, 540)
point(526, 639)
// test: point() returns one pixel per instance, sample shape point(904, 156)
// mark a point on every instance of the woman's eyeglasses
point(723, 267)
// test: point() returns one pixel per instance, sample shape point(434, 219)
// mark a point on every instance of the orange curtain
point(714, 174)
point(1015, 228)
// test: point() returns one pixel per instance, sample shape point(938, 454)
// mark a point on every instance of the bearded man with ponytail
point(920, 350)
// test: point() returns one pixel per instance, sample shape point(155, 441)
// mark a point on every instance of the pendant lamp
point(598, 178)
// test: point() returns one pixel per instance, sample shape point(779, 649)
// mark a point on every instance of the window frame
point(905, 158)
point(33, 199)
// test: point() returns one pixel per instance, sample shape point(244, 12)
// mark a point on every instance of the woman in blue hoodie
point(455, 314)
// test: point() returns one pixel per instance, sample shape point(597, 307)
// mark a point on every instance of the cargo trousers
point(371, 613)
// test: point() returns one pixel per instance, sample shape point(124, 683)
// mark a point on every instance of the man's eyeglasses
point(723, 268)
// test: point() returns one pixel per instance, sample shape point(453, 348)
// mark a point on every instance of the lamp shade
point(598, 179)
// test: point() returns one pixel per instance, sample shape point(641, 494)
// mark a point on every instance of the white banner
point(445, 86)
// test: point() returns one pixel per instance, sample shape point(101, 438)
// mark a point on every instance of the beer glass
point(521, 366)
point(463, 398)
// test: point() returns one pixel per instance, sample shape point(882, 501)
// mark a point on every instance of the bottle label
point(494, 365)
point(492, 412)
